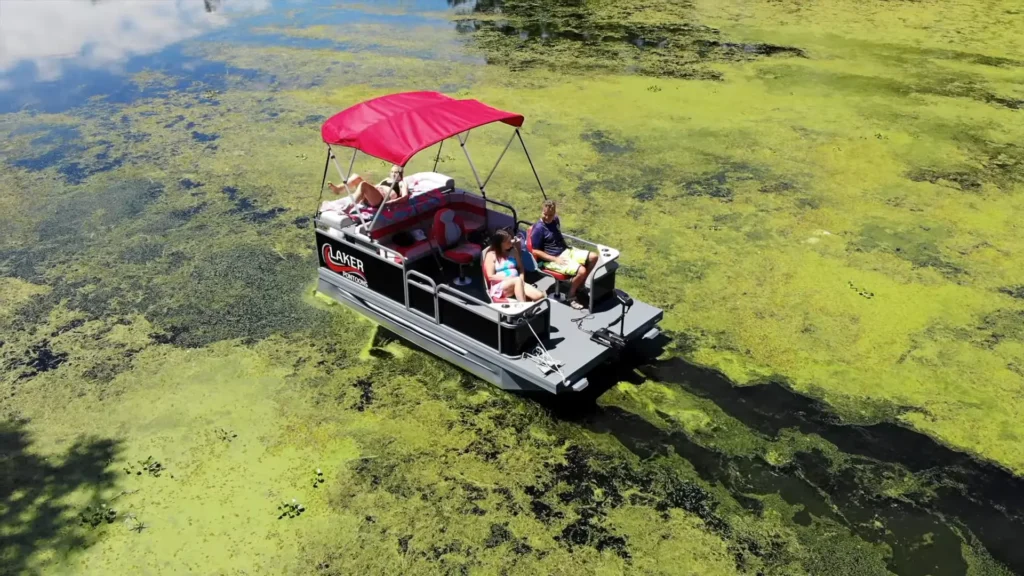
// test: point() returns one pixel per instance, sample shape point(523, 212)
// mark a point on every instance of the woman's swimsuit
point(503, 268)
point(389, 189)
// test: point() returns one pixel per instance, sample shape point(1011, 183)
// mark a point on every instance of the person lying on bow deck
point(552, 253)
point(365, 193)
point(504, 271)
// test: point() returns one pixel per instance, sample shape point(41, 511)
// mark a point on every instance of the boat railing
point(356, 238)
point(431, 294)
point(460, 298)
point(602, 263)
point(515, 216)
point(420, 277)
point(582, 241)
point(464, 301)
point(530, 310)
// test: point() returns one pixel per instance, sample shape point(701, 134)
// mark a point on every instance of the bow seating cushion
point(399, 214)
point(426, 190)
point(412, 251)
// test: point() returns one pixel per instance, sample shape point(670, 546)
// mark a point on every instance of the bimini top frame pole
point(483, 184)
point(344, 178)
point(438, 157)
point(323, 182)
point(515, 135)
point(462, 143)
point(535, 175)
point(498, 161)
point(344, 175)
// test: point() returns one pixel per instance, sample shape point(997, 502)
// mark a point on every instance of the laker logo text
point(345, 264)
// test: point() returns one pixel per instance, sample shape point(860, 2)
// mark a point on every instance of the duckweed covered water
point(821, 195)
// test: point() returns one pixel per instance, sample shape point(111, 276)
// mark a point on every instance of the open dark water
point(968, 500)
point(969, 497)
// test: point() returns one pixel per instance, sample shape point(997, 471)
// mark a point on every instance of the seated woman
point(504, 272)
point(364, 192)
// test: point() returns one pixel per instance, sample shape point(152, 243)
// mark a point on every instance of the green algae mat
point(824, 197)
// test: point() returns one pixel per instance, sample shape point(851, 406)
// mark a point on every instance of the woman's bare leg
point(532, 294)
point(508, 287)
point(369, 193)
point(353, 181)
point(363, 192)
point(518, 287)
point(513, 288)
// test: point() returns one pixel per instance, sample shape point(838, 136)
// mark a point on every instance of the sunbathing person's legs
point(364, 192)
point(369, 194)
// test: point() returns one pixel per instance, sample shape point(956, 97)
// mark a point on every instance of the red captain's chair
point(559, 278)
point(448, 231)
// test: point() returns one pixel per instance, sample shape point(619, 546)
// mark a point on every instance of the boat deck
point(580, 354)
point(567, 342)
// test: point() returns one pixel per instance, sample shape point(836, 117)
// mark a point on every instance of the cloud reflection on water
point(52, 35)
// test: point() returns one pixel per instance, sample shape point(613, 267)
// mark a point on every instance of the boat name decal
point(345, 264)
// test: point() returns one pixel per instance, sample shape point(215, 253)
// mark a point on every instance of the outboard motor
point(607, 337)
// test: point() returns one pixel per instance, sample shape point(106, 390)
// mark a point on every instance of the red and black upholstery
point(449, 231)
point(398, 219)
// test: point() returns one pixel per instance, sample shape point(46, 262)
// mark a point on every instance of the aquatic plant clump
point(662, 40)
point(149, 466)
point(94, 516)
point(290, 509)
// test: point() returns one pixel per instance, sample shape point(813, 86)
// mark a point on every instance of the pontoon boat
point(413, 264)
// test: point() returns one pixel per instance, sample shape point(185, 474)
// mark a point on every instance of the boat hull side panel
point(361, 266)
point(460, 357)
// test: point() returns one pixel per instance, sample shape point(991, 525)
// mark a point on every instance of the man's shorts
point(576, 258)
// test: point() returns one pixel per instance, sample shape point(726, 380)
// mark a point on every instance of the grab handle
point(420, 277)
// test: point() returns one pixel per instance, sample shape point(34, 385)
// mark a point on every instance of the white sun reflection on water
point(53, 35)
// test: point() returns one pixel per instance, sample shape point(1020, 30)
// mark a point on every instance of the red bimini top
point(395, 127)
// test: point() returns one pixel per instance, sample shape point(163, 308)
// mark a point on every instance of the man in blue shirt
point(552, 253)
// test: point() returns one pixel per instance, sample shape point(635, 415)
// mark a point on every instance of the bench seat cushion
point(411, 252)
point(472, 222)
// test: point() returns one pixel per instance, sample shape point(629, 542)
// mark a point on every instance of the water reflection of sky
point(56, 54)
